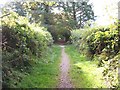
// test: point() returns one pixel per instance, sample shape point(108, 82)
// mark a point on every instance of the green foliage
point(79, 40)
point(59, 26)
point(43, 73)
point(21, 40)
point(64, 25)
point(102, 42)
point(83, 71)
point(80, 11)
point(110, 72)
point(104, 38)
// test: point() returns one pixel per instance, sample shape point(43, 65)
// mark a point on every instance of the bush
point(110, 72)
point(21, 41)
point(102, 42)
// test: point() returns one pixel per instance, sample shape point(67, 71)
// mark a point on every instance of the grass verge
point(84, 73)
point(45, 73)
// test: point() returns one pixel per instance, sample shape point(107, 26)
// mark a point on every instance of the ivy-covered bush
point(20, 42)
point(102, 42)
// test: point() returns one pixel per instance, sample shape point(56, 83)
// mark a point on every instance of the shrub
point(102, 42)
point(21, 41)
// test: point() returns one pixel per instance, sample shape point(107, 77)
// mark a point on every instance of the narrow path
point(65, 81)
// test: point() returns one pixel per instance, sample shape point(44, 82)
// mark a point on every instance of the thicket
point(21, 41)
point(102, 44)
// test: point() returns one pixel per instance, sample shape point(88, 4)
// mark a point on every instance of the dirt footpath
point(65, 81)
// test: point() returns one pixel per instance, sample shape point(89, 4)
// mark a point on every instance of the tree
point(74, 15)
point(81, 12)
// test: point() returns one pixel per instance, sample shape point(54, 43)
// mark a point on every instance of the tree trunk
point(74, 11)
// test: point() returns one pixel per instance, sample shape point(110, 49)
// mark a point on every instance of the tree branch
point(5, 15)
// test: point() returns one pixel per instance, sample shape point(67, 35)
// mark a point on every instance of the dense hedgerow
point(103, 43)
point(20, 42)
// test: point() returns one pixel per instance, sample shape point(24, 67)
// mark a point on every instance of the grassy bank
point(45, 72)
point(84, 73)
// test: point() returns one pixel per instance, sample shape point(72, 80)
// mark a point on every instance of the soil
point(65, 81)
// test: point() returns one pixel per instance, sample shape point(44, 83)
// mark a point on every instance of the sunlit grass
point(84, 73)
point(45, 73)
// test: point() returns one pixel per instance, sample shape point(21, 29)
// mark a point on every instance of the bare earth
point(65, 81)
